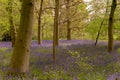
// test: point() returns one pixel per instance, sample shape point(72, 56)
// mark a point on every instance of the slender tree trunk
point(11, 21)
point(68, 30)
point(56, 20)
point(68, 20)
point(39, 23)
point(98, 34)
point(43, 35)
point(55, 31)
point(20, 58)
point(43, 32)
point(110, 26)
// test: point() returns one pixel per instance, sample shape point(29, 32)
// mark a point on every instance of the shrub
point(6, 36)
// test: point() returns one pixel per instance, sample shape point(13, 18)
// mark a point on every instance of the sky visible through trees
point(87, 0)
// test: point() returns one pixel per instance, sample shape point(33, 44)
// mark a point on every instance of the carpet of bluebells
point(75, 60)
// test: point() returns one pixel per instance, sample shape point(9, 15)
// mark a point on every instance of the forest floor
point(75, 60)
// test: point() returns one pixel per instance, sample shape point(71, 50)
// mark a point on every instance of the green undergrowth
point(81, 67)
point(118, 50)
point(44, 50)
point(51, 75)
point(2, 50)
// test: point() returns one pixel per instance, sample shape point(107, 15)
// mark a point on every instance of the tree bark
point(56, 21)
point(39, 23)
point(11, 22)
point(55, 31)
point(20, 58)
point(68, 20)
point(68, 32)
point(110, 26)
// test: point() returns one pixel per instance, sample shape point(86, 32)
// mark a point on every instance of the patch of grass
point(118, 50)
point(117, 66)
point(81, 61)
point(43, 50)
point(5, 59)
point(92, 76)
point(3, 49)
point(51, 75)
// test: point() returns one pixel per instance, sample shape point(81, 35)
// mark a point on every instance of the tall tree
point(110, 26)
point(39, 23)
point(11, 22)
point(72, 15)
point(56, 20)
point(55, 31)
point(102, 22)
point(68, 20)
point(20, 58)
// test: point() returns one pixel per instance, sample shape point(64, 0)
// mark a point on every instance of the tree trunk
point(43, 32)
point(68, 30)
point(39, 23)
point(20, 58)
point(55, 31)
point(68, 20)
point(56, 20)
point(99, 31)
point(11, 22)
point(110, 26)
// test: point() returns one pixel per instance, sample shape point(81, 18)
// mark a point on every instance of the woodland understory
point(59, 40)
point(75, 60)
